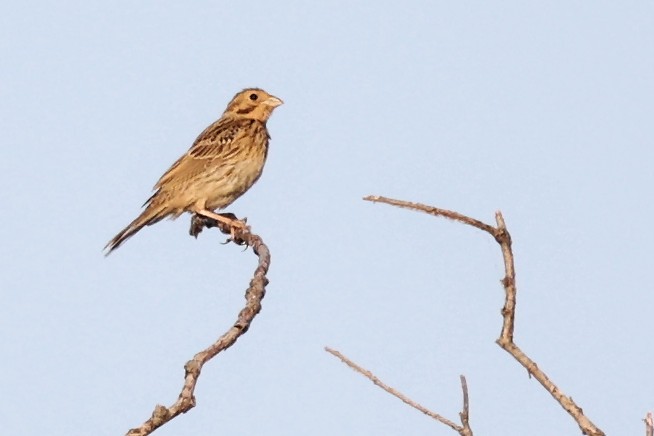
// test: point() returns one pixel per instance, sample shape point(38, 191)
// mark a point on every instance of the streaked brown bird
point(221, 165)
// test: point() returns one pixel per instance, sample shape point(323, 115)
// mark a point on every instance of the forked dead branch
point(503, 238)
point(253, 296)
point(463, 429)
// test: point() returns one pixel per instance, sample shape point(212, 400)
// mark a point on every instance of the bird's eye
point(253, 97)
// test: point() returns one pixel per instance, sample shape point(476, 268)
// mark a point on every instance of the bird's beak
point(273, 101)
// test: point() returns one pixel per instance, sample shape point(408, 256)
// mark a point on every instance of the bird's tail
point(150, 215)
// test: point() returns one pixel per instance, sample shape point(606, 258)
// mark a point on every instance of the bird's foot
point(226, 223)
point(237, 229)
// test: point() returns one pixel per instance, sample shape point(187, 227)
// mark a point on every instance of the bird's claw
point(236, 229)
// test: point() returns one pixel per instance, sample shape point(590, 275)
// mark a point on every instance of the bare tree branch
point(462, 430)
point(502, 236)
point(649, 424)
point(253, 296)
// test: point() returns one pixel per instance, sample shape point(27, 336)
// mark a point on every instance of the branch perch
point(503, 238)
point(253, 296)
point(463, 430)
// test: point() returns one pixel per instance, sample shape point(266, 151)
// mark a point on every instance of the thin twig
point(463, 431)
point(253, 296)
point(455, 216)
point(502, 236)
point(465, 413)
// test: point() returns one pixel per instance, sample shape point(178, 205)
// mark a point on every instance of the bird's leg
point(235, 224)
point(222, 218)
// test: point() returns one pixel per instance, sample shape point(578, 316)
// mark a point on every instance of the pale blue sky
point(542, 111)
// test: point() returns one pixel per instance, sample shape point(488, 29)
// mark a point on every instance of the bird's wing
point(216, 144)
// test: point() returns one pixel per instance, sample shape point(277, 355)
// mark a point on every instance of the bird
point(225, 160)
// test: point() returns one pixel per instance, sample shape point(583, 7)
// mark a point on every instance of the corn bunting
point(221, 165)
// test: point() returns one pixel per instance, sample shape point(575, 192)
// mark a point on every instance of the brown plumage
point(221, 165)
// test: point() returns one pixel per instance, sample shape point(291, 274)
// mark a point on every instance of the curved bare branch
point(503, 238)
point(253, 296)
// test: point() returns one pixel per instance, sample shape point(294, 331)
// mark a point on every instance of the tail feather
point(149, 216)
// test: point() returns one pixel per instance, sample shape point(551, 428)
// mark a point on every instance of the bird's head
point(253, 103)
